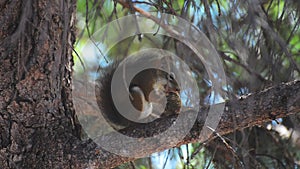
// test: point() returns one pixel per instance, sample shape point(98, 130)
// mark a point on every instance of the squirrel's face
point(169, 83)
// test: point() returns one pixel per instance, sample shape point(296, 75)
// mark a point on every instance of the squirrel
point(154, 93)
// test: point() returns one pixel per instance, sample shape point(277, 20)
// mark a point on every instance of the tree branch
point(253, 109)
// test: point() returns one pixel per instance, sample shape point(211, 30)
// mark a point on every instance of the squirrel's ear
point(171, 76)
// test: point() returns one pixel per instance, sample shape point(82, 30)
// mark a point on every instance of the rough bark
point(38, 126)
point(37, 121)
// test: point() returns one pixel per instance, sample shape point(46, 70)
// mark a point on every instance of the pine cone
point(173, 104)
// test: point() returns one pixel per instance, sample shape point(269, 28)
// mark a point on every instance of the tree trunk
point(37, 123)
point(38, 126)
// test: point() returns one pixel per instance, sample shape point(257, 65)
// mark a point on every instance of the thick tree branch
point(250, 110)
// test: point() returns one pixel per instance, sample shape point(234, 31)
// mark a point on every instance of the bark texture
point(38, 126)
point(37, 121)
